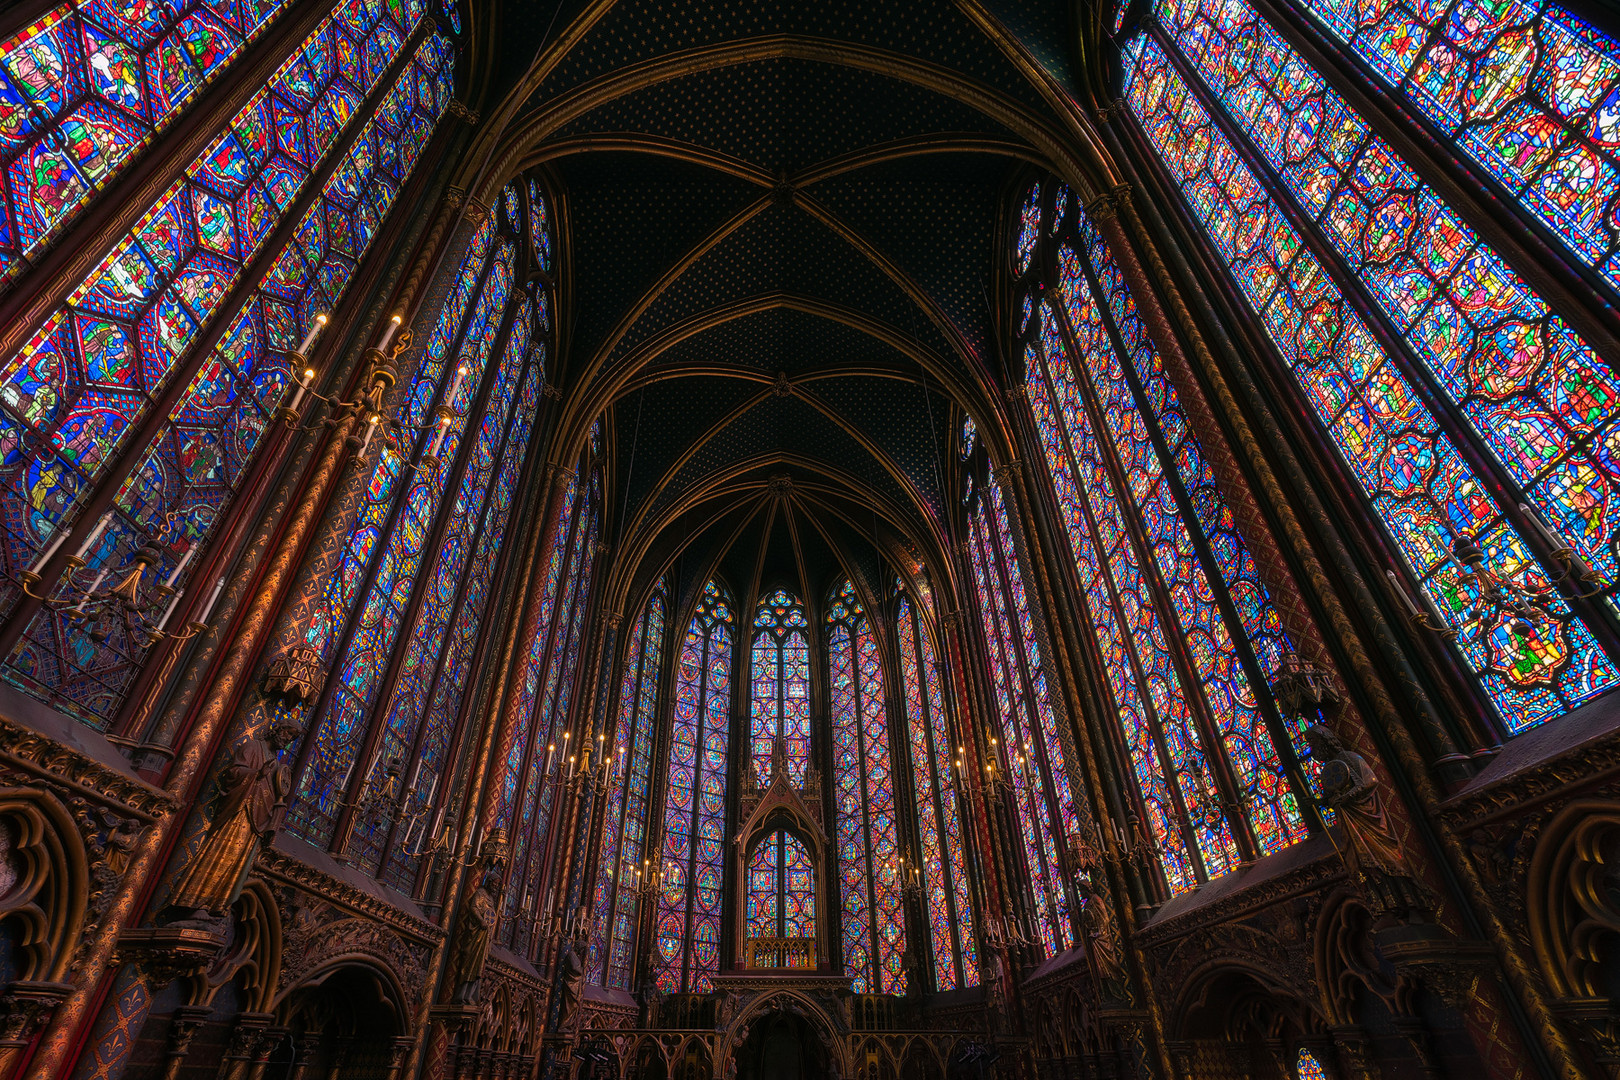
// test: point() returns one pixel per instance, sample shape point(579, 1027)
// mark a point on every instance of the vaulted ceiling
point(781, 232)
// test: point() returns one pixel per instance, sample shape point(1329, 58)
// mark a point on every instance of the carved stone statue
point(251, 798)
point(469, 949)
point(1102, 936)
point(572, 971)
point(1371, 851)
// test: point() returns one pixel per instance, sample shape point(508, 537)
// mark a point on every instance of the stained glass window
point(781, 899)
point(1187, 641)
point(780, 683)
point(1308, 1068)
point(148, 329)
point(1034, 762)
point(1440, 375)
point(940, 812)
point(89, 84)
point(550, 678)
point(869, 870)
point(625, 861)
point(417, 558)
point(1524, 88)
point(687, 946)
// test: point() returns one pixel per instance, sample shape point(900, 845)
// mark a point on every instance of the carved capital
point(615, 619)
point(551, 392)
point(475, 213)
point(783, 386)
point(1011, 472)
point(780, 484)
point(460, 110)
point(26, 1007)
point(167, 953)
point(1110, 111)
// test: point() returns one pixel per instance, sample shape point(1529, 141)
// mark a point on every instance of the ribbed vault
point(782, 221)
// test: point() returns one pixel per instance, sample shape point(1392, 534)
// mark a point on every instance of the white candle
point(455, 385)
point(389, 331)
point(433, 785)
point(438, 437)
point(95, 534)
point(208, 608)
point(184, 559)
point(1550, 538)
point(174, 602)
point(309, 338)
point(94, 585)
point(56, 544)
point(1412, 609)
point(302, 385)
point(371, 429)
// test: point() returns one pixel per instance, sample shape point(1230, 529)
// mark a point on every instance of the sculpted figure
point(475, 924)
point(1371, 850)
point(1102, 937)
point(251, 799)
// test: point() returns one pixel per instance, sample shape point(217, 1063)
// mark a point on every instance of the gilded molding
point(35, 753)
point(281, 867)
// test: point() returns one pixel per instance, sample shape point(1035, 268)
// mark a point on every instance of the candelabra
point(383, 798)
point(1498, 598)
point(136, 601)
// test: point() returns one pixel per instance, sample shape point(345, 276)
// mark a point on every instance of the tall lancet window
point(1470, 414)
point(869, 872)
point(781, 888)
point(939, 811)
point(780, 685)
point(547, 680)
point(625, 862)
point(687, 945)
point(1187, 634)
point(147, 341)
point(1034, 753)
point(407, 599)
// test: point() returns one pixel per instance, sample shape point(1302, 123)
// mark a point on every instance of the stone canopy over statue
point(251, 799)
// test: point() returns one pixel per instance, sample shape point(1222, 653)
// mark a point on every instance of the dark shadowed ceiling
point(781, 224)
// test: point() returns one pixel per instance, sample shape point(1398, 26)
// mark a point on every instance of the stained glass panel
point(943, 874)
point(687, 922)
point(1533, 392)
point(624, 860)
point(780, 677)
point(863, 796)
point(1018, 684)
point(1409, 470)
point(89, 84)
point(1526, 89)
point(97, 366)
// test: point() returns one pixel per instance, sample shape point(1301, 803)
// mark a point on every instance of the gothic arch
point(49, 888)
point(798, 1003)
point(1573, 911)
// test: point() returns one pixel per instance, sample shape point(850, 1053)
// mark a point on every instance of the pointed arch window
point(1035, 755)
point(549, 677)
point(780, 685)
point(416, 559)
point(327, 145)
point(1470, 414)
point(625, 862)
point(863, 800)
point(87, 85)
point(687, 945)
point(1526, 90)
point(939, 811)
point(781, 888)
point(1189, 643)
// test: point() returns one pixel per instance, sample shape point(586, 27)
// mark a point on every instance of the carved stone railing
point(780, 952)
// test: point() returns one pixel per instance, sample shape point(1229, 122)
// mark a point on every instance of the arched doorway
point(346, 1023)
point(782, 1046)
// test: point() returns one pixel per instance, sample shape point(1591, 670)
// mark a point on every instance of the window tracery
point(152, 313)
point(1452, 391)
point(485, 362)
point(940, 813)
point(625, 862)
point(1188, 640)
point(780, 686)
point(1034, 755)
point(863, 798)
point(687, 928)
